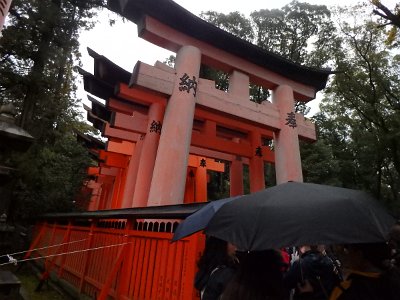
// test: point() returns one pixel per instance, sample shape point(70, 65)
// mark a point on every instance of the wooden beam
point(136, 122)
point(108, 172)
point(210, 164)
point(164, 36)
point(121, 134)
point(218, 144)
point(265, 115)
point(92, 171)
point(122, 147)
point(144, 96)
point(125, 107)
point(112, 159)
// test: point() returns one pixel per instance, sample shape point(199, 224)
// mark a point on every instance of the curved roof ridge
point(180, 19)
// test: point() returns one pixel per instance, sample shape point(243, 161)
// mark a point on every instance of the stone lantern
point(13, 139)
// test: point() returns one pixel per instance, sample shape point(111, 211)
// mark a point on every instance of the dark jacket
point(318, 269)
point(364, 286)
point(213, 282)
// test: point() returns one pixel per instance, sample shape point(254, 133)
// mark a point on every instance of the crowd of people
point(313, 272)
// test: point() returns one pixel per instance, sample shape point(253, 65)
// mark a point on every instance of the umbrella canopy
point(199, 219)
point(293, 214)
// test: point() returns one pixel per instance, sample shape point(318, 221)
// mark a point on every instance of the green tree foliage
point(38, 48)
point(300, 32)
point(360, 115)
point(38, 51)
point(49, 178)
point(234, 22)
point(358, 126)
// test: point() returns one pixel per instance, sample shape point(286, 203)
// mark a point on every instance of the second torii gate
point(119, 161)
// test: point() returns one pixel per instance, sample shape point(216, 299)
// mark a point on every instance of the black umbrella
point(199, 219)
point(293, 214)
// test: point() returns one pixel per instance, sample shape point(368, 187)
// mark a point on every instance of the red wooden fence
point(116, 260)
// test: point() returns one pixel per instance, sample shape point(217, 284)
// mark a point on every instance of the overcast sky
point(121, 45)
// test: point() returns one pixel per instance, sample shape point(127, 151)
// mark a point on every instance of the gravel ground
point(29, 282)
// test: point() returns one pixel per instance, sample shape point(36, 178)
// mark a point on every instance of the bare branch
point(386, 13)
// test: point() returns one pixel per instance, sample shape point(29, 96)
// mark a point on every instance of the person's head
point(371, 258)
point(259, 276)
point(394, 237)
point(231, 250)
point(362, 256)
point(216, 252)
point(304, 248)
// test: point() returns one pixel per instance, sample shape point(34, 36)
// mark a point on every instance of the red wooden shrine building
point(166, 128)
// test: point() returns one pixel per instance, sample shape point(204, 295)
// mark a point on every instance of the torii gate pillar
point(148, 156)
point(286, 141)
point(236, 177)
point(131, 176)
point(169, 175)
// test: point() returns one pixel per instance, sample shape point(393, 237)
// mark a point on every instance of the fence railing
point(120, 254)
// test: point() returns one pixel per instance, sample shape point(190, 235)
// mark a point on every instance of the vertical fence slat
point(139, 268)
point(65, 249)
point(134, 267)
point(150, 280)
point(157, 269)
point(177, 271)
point(163, 270)
point(145, 268)
point(169, 271)
point(86, 256)
point(126, 271)
point(193, 249)
point(111, 275)
point(38, 238)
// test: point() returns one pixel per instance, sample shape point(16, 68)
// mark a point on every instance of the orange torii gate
point(94, 146)
point(170, 114)
point(4, 8)
point(107, 179)
point(196, 42)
